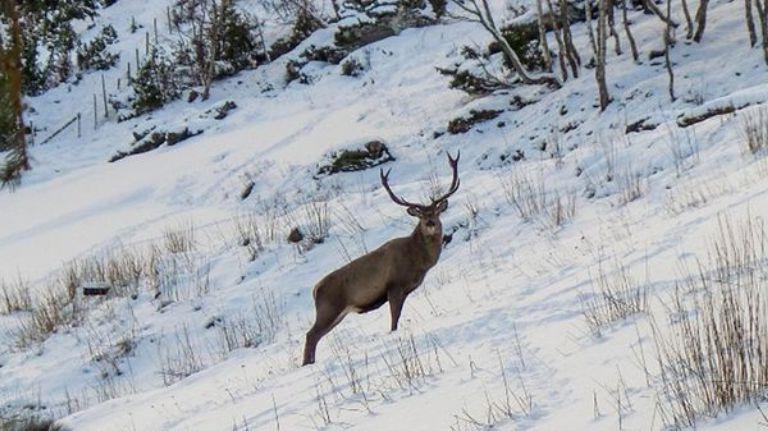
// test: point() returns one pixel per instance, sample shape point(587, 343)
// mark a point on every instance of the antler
point(398, 200)
point(454, 162)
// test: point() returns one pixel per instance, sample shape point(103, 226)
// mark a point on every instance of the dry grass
point(716, 357)
point(257, 326)
point(316, 220)
point(249, 233)
point(497, 409)
point(614, 298)
point(754, 128)
point(630, 187)
point(179, 357)
point(533, 202)
point(15, 296)
point(180, 239)
point(53, 309)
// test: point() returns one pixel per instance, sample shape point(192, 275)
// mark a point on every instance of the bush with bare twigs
point(714, 360)
point(615, 297)
point(754, 127)
point(533, 201)
point(15, 297)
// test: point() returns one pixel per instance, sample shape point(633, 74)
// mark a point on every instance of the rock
point(295, 236)
point(372, 154)
point(463, 125)
point(223, 110)
point(247, 191)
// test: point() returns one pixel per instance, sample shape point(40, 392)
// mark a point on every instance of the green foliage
point(155, 84)
point(46, 25)
point(238, 40)
point(352, 67)
point(12, 139)
point(372, 154)
point(94, 56)
point(524, 40)
point(464, 125)
point(33, 77)
point(304, 26)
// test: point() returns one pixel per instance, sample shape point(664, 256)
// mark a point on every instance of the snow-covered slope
point(496, 335)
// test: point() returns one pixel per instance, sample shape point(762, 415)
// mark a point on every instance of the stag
point(388, 274)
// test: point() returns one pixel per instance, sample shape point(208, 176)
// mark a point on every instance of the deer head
point(428, 215)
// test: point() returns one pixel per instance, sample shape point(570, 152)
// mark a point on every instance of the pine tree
point(12, 137)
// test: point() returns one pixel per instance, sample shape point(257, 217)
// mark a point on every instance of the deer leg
point(327, 318)
point(396, 298)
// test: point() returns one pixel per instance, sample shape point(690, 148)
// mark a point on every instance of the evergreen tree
point(12, 137)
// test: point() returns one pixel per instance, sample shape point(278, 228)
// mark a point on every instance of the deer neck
point(430, 246)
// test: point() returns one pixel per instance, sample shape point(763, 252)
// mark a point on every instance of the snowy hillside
point(583, 243)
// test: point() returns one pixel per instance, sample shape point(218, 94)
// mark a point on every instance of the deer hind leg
point(326, 319)
point(396, 298)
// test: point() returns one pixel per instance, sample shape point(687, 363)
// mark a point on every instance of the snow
point(506, 294)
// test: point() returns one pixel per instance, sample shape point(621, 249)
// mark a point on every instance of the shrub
point(93, 55)
point(754, 126)
point(352, 67)
point(155, 84)
point(614, 298)
point(524, 40)
point(303, 27)
point(372, 154)
point(463, 125)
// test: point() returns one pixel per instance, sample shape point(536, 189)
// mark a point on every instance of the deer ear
point(413, 211)
point(442, 206)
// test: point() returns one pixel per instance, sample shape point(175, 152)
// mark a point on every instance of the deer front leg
point(396, 298)
point(327, 318)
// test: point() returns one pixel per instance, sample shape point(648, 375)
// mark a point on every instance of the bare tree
point(590, 31)
point(561, 56)
point(701, 20)
point(762, 12)
point(688, 22)
point(573, 54)
point(651, 6)
point(630, 38)
point(612, 27)
point(602, 40)
point(750, 22)
point(481, 14)
point(543, 36)
point(668, 43)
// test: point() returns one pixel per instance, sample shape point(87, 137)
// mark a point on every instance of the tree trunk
point(17, 159)
point(762, 11)
point(701, 20)
point(650, 5)
point(561, 55)
point(543, 36)
point(484, 17)
point(612, 27)
point(630, 38)
point(602, 40)
point(688, 22)
point(750, 22)
point(590, 32)
point(573, 55)
point(667, 48)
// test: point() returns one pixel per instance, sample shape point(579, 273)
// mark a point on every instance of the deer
point(388, 274)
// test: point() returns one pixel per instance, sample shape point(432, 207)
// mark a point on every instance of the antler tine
point(455, 182)
point(398, 200)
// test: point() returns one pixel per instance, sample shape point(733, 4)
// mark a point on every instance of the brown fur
point(388, 274)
